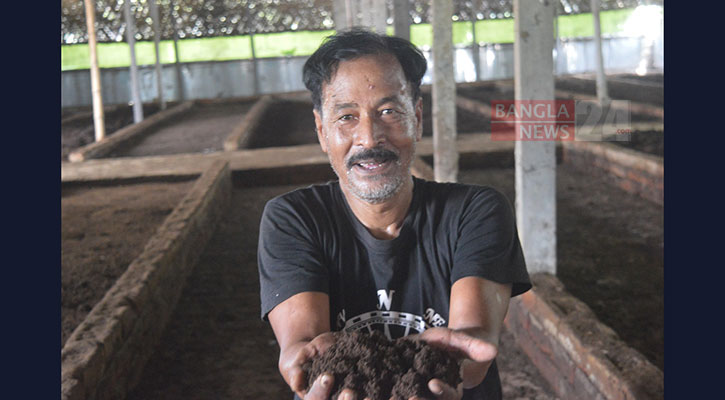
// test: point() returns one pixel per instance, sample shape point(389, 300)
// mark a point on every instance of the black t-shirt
point(310, 240)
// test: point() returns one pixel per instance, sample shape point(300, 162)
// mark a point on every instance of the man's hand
point(478, 353)
point(294, 357)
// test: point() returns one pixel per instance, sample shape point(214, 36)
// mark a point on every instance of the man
point(379, 248)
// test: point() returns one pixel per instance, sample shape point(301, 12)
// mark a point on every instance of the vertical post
point(557, 43)
point(475, 50)
point(401, 19)
point(157, 38)
point(135, 92)
point(339, 14)
point(350, 13)
point(378, 16)
point(255, 72)
point(602, 93)
point(445, 153)
point(535, 171)
point(98, 118)
point(177, 61)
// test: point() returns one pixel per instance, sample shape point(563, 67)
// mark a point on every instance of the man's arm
point(477, 309)
point(301, 325)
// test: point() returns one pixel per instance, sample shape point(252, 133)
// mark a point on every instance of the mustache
point(377, 154)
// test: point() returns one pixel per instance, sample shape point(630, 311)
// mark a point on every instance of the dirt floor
point(216, 345)
point(102, 230)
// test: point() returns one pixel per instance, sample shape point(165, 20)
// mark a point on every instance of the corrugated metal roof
point(212, 18)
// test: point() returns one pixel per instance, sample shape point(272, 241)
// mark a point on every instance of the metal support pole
point(98, 117)
point(535, 170)
point(157, 38)
point(135, 92)
point(445, 153)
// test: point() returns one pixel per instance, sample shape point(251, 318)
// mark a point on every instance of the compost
point(381, 369)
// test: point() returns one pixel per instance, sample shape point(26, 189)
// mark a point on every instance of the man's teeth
point(371, 165)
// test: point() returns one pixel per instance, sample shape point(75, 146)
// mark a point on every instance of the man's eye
point(387, 111)
point(346, 117)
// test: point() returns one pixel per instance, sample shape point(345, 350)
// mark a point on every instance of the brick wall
point(106, 353)
point(633, 171)
point(580, 357)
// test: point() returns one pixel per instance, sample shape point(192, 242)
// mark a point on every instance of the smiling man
point(379, 249)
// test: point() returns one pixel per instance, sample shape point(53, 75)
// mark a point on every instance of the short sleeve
point(289, 256)
point(488, 245)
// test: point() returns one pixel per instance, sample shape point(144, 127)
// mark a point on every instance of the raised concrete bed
point(631, 170)
point(105, 354)
point(580, 357)
point(239, 137)
point(476, 147)
point(108, 144)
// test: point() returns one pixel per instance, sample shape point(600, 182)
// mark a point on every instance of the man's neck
point(383, 220)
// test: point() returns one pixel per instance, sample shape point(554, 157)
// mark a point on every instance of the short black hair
point(358, 42)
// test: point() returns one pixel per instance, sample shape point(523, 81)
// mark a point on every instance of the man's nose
point(370, 133)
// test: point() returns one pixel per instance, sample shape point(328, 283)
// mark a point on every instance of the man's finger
point(321, 388)
point(347, 394)
point(443, 391)
point(471, 347)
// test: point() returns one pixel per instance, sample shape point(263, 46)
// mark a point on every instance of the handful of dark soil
point(378, 368)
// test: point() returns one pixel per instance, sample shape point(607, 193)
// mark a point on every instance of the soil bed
point(285, 123)
point(610, 252)
point(102, 230)
point(466, 121)
point(80, 132)
point(650, 142)
point(647, 89)
point(200, 130)
point(216, 342)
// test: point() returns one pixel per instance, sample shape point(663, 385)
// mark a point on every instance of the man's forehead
point(382, 72)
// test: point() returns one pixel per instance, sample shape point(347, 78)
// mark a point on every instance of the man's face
point(368, 126)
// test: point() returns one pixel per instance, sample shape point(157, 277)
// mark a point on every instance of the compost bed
point(646, 141)
point(103, 229)
point(610, 253)
point(202, 129)
point(80, 131)
point(217, 347)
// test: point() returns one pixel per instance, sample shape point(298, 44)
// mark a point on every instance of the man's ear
point(318, 127)
point(419, 119)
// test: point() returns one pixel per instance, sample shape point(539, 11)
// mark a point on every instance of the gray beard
point(375, 195)
point(378, 194)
